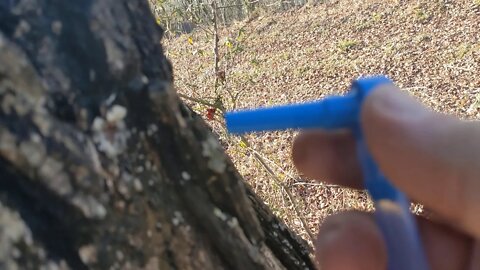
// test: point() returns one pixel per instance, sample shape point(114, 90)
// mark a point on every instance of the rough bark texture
point(102, 166)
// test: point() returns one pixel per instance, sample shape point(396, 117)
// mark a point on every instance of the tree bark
point(102, 166)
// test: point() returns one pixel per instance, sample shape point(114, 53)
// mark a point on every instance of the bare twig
point(229, 6)
point(215, 43)
point(315, 184)
point(201, 101)
point(284, 187)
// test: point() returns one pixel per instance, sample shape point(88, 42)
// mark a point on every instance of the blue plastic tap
point(392, 208)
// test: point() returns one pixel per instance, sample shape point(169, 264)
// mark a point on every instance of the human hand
point(433, 158)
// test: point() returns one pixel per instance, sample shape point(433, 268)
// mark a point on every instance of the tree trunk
point(102, 166)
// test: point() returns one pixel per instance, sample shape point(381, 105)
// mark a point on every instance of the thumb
point(432, 157)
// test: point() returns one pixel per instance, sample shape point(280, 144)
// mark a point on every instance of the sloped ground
point(430, 48)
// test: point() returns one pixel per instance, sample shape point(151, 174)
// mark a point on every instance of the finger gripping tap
point(392, 208)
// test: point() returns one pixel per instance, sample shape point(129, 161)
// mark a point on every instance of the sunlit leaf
point(228, 44)
point(242, 144)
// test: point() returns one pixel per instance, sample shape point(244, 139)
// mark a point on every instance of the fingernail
point(392, 103)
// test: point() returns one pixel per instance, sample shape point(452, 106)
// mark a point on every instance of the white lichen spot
point(233, 222)
point(110, 99)
point(98, 124)
point(137, 185)
point(16, 253)
point(212, 150)
point(177, 218)
point(89, 206)
point(95, 159)
point(58, 181)
point(43, 124)
point(8, 145)
point(35, 138)
point(54, 265)
point(22, 28)
point(33, 152)
point(119, 255)
point(118, 64)
point(139, 169)
point(57, 27)
point(88, 254)
point(92, 75)
point(13, 231)
point(126, 177)
point(110, 135)
point(116, 114)
point(186, 176)
point(114, 55)
point(149, 233)
point(218, 213)
point(144, 79)
point(152, 129)
point(123, 189)
point(148, 165)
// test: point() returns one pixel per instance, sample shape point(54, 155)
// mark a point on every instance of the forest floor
point(430, 49)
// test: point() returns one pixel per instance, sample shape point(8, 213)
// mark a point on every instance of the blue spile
point(392, 213)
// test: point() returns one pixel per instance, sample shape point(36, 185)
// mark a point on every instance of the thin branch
point(201, 101)
point(215, 43)
point(229, 6)
point(315, 184)
point(284, 187)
